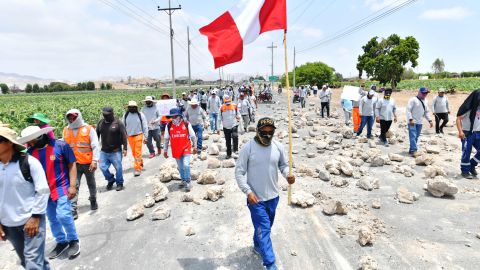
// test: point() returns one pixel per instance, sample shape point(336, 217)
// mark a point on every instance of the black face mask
point(132, 110)
point(108, 117)
point(40, 143)
point(264, 138)
point(149, 104)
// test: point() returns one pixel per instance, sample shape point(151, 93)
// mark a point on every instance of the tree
point(384, 60)
point(438, 66)
point(90, 86)
point(103, 86)
point(4, 88)
point(28, 88)
point(108, 86)
point(311, 73)
point(338, 77)
point(35, 88)
point(408, 74)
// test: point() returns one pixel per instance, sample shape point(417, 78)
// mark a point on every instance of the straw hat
point(194, 101)
point(11, 135)
point(32, 132)
point(149, 98)
point(132, 103)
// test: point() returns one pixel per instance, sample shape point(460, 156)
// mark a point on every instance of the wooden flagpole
point(290, 156)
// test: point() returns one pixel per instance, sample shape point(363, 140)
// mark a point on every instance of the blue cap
point(424, 90)
point(175, 112)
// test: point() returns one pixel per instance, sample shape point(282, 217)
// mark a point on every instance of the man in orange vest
point(230, 116)
point(181, 135)
point(83, 140)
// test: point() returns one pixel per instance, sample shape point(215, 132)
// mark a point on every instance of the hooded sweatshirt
point(80, 123)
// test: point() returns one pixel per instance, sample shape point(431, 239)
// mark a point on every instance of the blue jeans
point(368, 121)
point(115, 159)
point(213, 121)
point(30, 250)
point(263, 215)
point(60, 217)
point(472, 139)
point(198, 129)
point(184, 168)
point(413, 134)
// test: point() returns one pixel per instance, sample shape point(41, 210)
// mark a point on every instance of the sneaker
point(137, 173)
point(110, 185)
point(473, 172)
point(272, 267)
point(385, 143)
point(73, 249)
point(181, 184)
point(120, 187)
point(93, 204)
point(467, 176)
point(159, 151)
point(188, 187)
point(228, 157)
point(75, 214)
point(152, 155)
point(59, 249)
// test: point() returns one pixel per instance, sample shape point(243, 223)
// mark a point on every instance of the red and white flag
point(241, 25)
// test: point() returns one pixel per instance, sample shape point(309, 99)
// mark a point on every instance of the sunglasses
point(264, 133)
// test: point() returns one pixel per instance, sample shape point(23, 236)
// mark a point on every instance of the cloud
point(376, 5)
point(455, 13)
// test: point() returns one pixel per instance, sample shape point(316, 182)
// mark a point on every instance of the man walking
point(136, 127)
point(245, 109)
point(468, 126)
point(441, 110)
point(113, 138)
point(325, 97)
point(153, 117)
point(230, 117)
point(386, 112)
point(417, 108)
point(303, 96)
point(196, 116)
point(83, 140)
point(213, 110)
point(58, 162)
point(24, 194)
point(347, 110)
point(182, 137)
point(366, 110)
point(256, 173)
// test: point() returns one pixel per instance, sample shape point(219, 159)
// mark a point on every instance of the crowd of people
point(40, 175)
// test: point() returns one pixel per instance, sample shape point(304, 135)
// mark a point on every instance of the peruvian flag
point(241, 25)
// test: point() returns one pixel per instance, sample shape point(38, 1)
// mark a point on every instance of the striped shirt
point(55, 158)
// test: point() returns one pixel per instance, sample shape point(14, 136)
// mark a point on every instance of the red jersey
point(179, 140)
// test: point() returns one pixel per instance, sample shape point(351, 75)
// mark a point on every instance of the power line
point(303, 12)
point(146, 13)
point(353, 28)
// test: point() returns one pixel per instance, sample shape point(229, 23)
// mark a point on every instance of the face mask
point(369, 97)
point(264, 138)
point(176, 121)
point(132, 110)
point(40, 143)
point(149, 104)
point(108, 117)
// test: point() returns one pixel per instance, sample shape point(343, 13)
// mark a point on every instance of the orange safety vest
point(229, 107)
point(80, 144)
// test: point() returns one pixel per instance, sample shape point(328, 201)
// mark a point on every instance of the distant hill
point(21, 81)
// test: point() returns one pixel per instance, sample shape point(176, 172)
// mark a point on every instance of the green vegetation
point(312, 73)
point(459, 84)
point(16, 109)
point(384, 60)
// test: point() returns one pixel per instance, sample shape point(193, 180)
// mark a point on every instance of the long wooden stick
point(290, 156)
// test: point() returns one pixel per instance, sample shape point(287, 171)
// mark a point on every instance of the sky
point(91, 39)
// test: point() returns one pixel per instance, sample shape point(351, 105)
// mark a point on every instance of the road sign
point(273, 78)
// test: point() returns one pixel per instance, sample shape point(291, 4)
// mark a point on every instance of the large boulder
point(404, 169)
point(368, 183)
point(395, 157)
point(161, 213)
point(365, 236)
point(424, 160)
point(346, 168)
point(339, 182)
point(405, 196)
point(303, 199)
point(167, 171)
point(433, 170)
point(367, 262)
point(148, 201)
point(377, 161)
point(324, 175)
point(213, 163)
point(207, 177)
point(214, 193)
point(440, 186)
point(213, 149)
point(302, 168)
point(228, 163)
point(334, 207)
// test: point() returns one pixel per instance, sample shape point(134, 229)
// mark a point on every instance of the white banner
point(164, 106)
point(351, 93)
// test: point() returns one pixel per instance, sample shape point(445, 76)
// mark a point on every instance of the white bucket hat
point(148, 98)
point(32, 132)
point(194, 101)
point(11, 135)
point(132, 103)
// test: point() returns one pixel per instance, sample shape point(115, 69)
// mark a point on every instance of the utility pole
point(189, 70)
point(294, 67)
point(272, 47)
point(170, 11)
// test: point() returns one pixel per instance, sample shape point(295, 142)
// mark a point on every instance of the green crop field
point(16, 108)
point(457, 84)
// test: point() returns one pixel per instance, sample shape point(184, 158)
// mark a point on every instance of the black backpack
point(25, 167)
